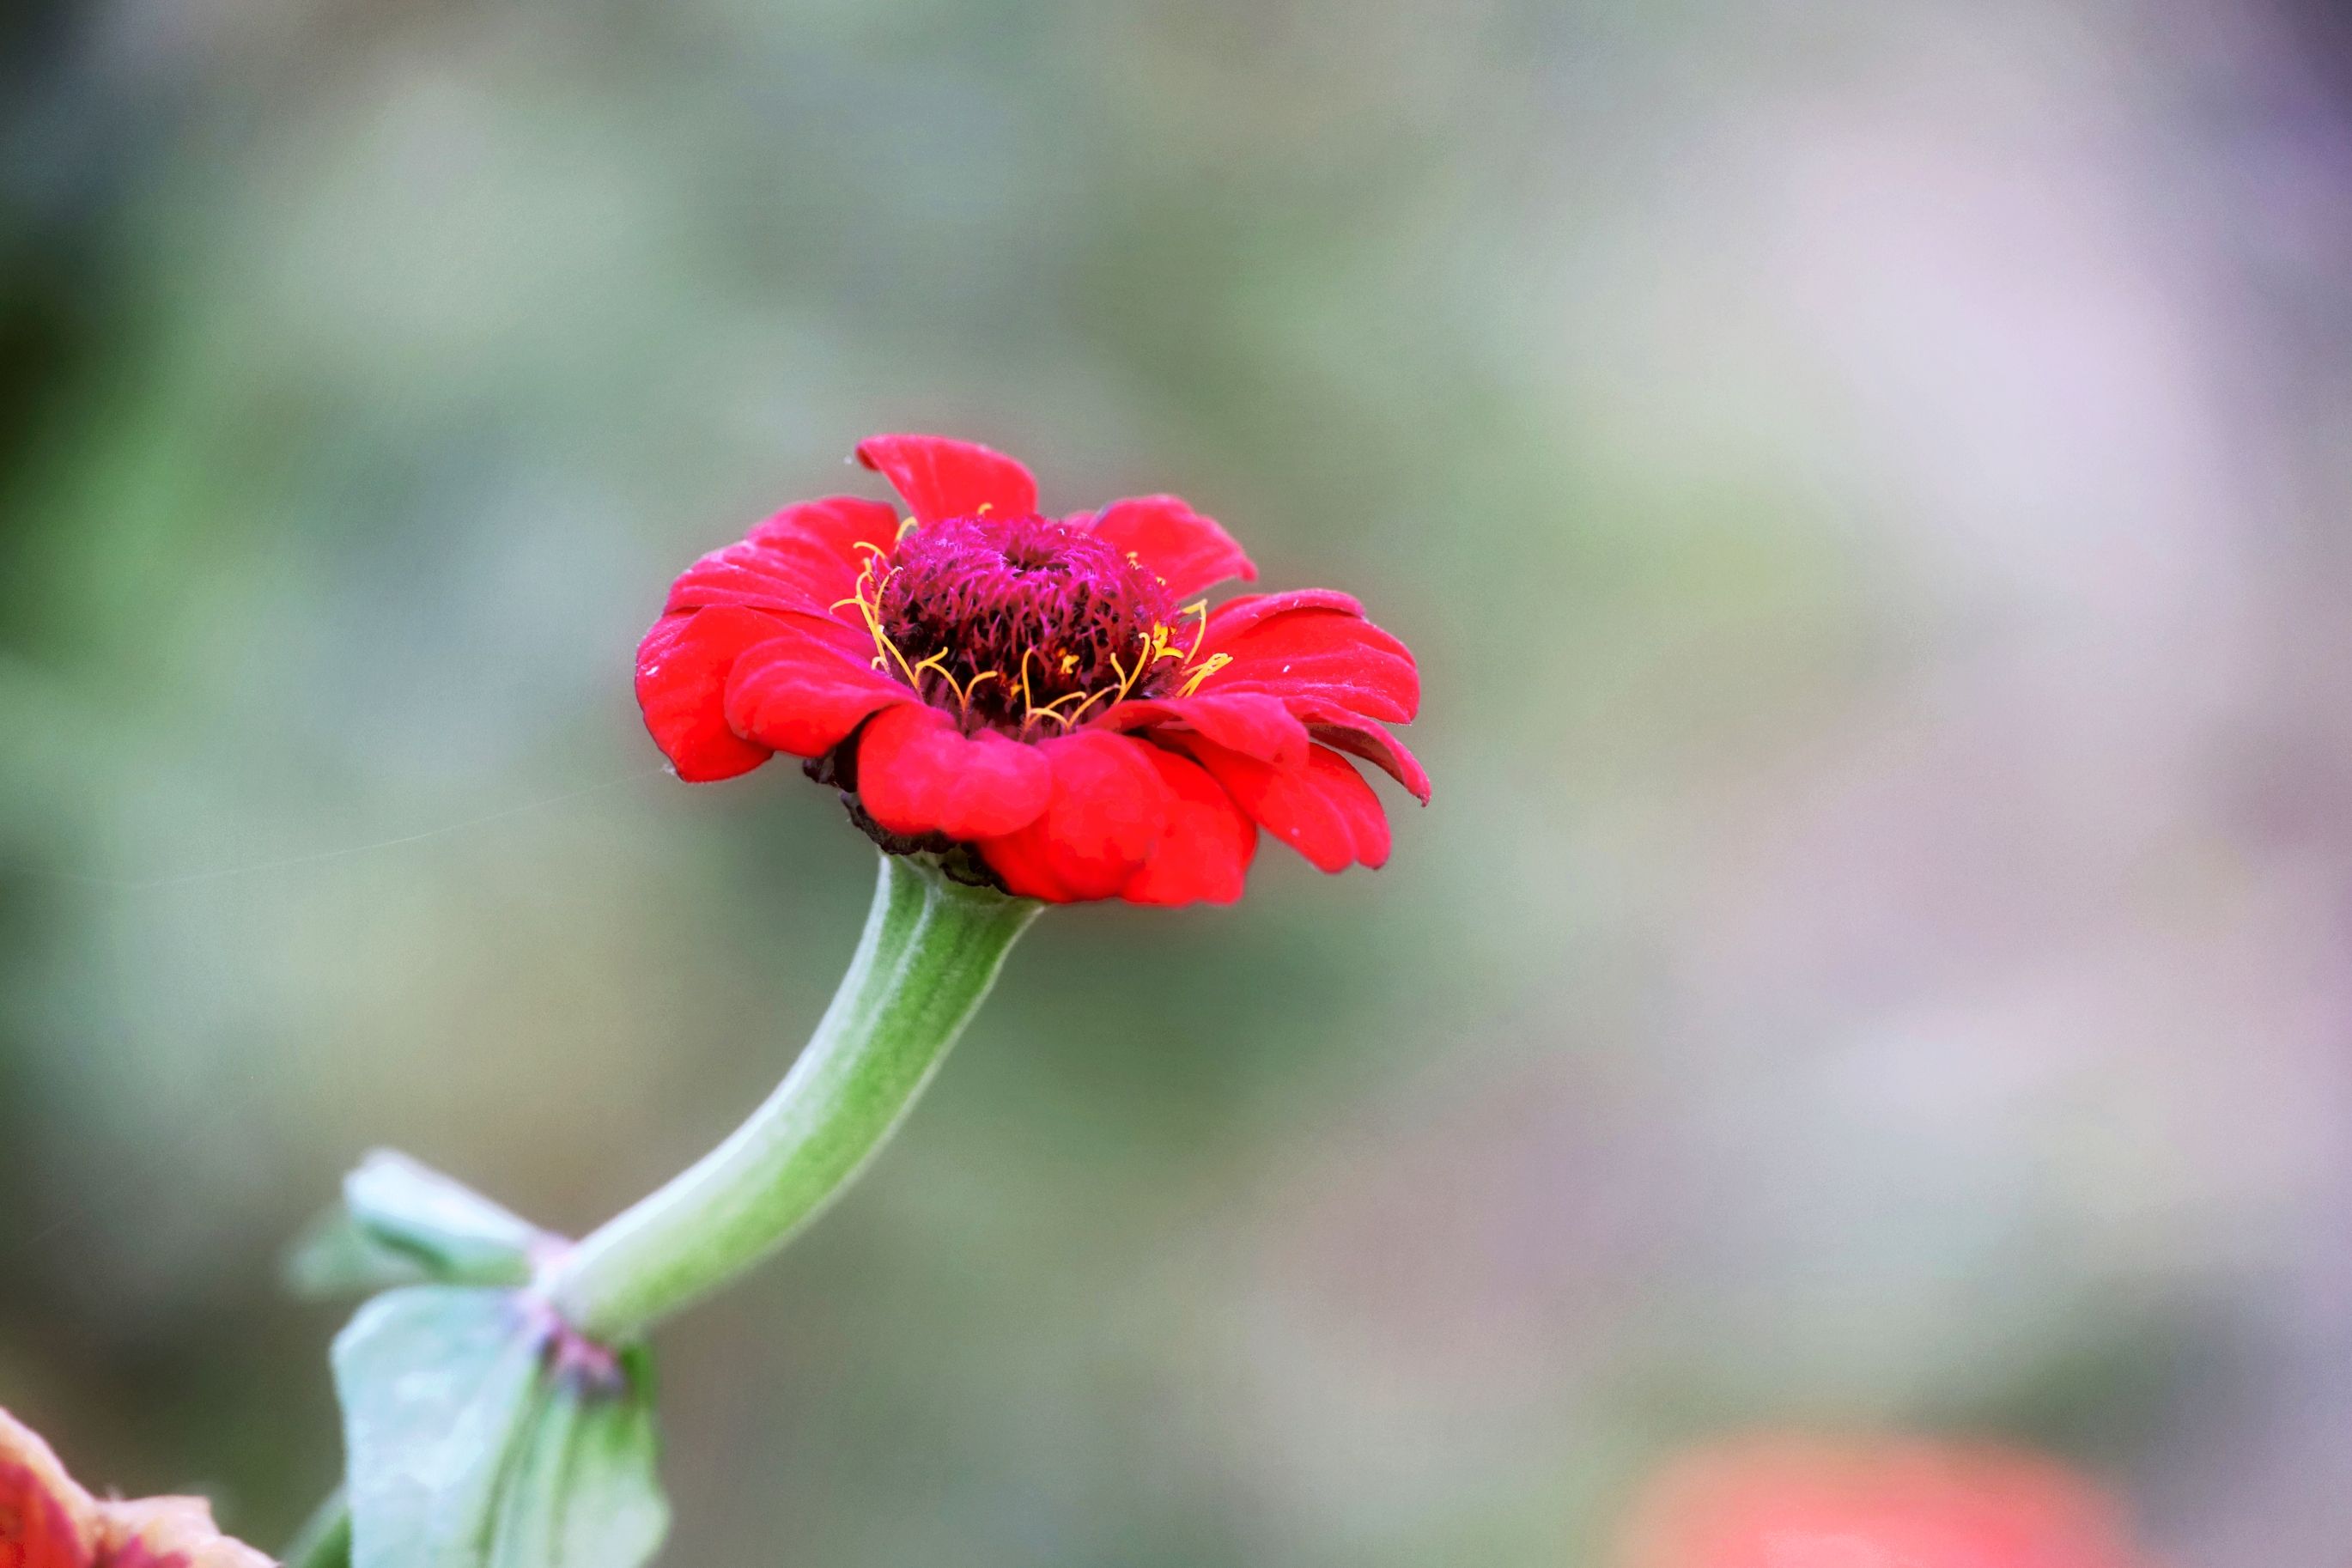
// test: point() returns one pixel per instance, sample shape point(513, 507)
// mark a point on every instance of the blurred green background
point(1866, 483)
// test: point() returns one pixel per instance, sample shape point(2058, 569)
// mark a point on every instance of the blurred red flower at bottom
point(48, 1522)
point(1803, 1503)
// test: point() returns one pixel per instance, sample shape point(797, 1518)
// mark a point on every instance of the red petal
point(1315, 644)
point(1345, 732)
point(1188, 551)
point(1249, 723)
point(836, 524)
point(940, 477)
point(918, 773)
point(1106, 814)
point(1243, 611)
point(1325, 810)
point(805, 691)
point(1204, 853)
point(806, 557)
point(682, 668)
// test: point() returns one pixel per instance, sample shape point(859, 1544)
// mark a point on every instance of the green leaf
point(335, 1257)
point(438, 1385)
point(478, 1437)
point(460, 1234)
point(402, 1223)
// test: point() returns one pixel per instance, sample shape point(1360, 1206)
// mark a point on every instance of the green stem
point(931, 950)
point(326, 1538)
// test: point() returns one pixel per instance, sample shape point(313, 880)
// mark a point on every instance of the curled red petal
point(682, 669)
point(805, 691)
point(1342, 731)
point(918, 773)
point(1185, 550)
point(1316, 645)
point(1204, 850)
point(806, 557)
point(941, 479)
point(1324, 810)
point(1250, 722)
point(1104, 815)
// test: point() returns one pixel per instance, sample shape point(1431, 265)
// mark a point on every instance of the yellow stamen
point(939, 661)
point(1216, 662)
point(868, 600)
point(1127, 677)
point(1079, 711)
point(1048, 709)
point(1197, 607)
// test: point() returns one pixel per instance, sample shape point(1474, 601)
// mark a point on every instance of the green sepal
point(479, 1435)
point(402, 1223)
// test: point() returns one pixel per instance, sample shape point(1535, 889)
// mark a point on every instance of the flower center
point(1019, 622)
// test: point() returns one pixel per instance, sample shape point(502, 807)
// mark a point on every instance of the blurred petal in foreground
point(48, 1522)
point(1802, 1503)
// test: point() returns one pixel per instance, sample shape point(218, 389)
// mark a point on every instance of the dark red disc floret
point(1005, 618)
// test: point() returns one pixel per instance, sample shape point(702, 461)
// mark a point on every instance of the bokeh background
point(1867, 483)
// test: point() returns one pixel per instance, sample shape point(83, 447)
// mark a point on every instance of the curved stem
point(931, 950)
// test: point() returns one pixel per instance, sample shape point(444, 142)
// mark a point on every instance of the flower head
point(1798, 1503)
point(1048, 704)
point(48, 1522)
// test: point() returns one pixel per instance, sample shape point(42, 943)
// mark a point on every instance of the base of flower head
point(959, 862)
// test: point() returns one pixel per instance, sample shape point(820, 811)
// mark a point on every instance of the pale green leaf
point(402, 1223)
point(460, 1234)
point(471, 1445)
point(438, 1385)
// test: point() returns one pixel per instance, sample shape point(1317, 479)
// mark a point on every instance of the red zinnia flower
point(1795, 1503)
point(47, 1521)
point(1046, 702)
